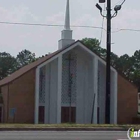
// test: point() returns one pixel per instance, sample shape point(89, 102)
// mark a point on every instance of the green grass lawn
point(66, 126)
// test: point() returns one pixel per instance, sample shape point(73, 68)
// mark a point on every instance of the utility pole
point(108, 58)
point(108, 74)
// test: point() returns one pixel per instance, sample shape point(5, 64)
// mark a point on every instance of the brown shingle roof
point(24, 69)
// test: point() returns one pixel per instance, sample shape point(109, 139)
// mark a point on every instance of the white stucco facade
point(89, 90)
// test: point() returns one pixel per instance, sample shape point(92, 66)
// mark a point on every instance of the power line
point(50, 25)
point(74, 26)
point(30, 24)
point(89, 27)
point(119, 30)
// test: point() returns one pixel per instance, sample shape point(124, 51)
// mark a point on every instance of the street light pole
point(108, 69)
point(108, 58)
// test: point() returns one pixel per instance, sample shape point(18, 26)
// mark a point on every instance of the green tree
point(25, 57)
point(114, 60)
point(7, 64)
point(125, 65)
point(135, 76)
point(136, 58)
point(94, 45)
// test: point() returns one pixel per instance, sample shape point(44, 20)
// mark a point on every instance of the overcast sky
point(41, 40)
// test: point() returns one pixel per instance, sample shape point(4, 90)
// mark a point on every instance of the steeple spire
point(66, 34)
point(67, 17)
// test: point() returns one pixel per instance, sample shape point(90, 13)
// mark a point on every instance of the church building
point(68, 85)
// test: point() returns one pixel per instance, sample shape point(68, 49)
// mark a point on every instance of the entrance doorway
point(65, 114)
point(41, 114)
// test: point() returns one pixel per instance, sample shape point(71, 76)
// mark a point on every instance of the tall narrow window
point(41, 114)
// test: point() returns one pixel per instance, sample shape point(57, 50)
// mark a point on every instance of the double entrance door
point(68, 114)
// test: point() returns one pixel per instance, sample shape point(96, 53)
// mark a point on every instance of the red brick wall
point(4, 91)
point(22, 97)
point(127, 101)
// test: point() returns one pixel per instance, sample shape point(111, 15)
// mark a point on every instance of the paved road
point(65, 135)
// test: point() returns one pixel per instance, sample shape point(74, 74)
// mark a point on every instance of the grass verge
point(67, 126)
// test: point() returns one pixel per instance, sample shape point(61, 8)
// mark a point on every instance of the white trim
point(95, 79)
point(59, 89)
point(71, 47)
point(95, 76)
point(37, 97)
point(59, 54)
point(95, 55)
point(115, 96)
point(47, 94)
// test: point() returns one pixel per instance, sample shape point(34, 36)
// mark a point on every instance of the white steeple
point(67, 17)
point(66, 34)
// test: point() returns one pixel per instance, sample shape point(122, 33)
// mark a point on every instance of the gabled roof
point(30, 66)
point(33, 65)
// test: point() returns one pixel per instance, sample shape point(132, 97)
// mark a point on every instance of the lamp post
point(108, 69)
point(108, 74)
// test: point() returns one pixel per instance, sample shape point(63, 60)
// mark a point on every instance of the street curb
point(63, 129)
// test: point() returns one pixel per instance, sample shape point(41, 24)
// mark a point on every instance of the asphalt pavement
point(63, 135)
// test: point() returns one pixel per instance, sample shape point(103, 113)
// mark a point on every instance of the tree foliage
point(7, 64)
point(94, 45)
point(129, 66)
point(25, 57)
